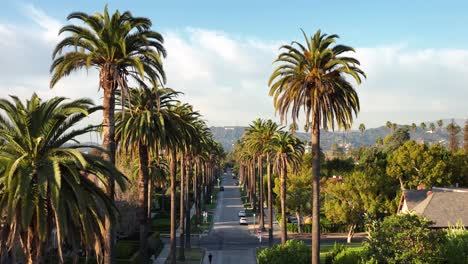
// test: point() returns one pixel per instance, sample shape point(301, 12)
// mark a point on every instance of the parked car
point(241, 213)
point(221, 188)
point(292, 220)
point(243, 221)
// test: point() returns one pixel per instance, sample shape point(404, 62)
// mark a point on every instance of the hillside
point(227, 136)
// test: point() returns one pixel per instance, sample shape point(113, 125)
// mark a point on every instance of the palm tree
point(312, 76)
point(423, 126)
point(388, 125)
point(394, 127)
point(288, 151)
point(120, 47)
point(432, 127)
point(138, 130)
point(440, 124)
point(49, 189)
point(453, 130)
point(362, 128)
point(414, 127)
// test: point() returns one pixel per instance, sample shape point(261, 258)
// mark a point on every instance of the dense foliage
point(293, 251)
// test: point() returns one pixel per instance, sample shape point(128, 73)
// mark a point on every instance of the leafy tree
point(453, 130)
point(49, 188)
point(413, 164)
point(279, 254)
point(394, 141)
point(394, 127)
point(414, 127)
point(405, 238)
point(379, 142)
point(298, 195)
point(311, 76)
point(359, 193)
point(120, 46)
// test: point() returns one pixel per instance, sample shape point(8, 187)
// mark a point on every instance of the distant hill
point(227, 136)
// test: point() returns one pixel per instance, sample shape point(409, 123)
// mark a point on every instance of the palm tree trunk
point(261, 221)
point(108, 135)
point(254, 186)
point(173, 206)
point(299, 222)
point(284, 222)
point(187, 202)
point(143, 201)
point(196, 193)
point(315, 139)
point(270, 208)
point(182, 211)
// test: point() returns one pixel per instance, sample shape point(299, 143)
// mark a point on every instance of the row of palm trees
point(50, 189)
point(265, 141)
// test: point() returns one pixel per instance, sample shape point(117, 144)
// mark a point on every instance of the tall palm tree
point(362, 128)
point(138, 132)
point(388, 125)
point(49, 188)
point(440, 124)
point(288, 151)
point(120, 46)
point(423, 126)
point(311, 76)
point(432, 127)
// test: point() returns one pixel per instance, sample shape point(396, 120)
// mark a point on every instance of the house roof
point(443, 206)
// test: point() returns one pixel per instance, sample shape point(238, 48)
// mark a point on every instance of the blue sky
point(220, 53)
point(421, 24)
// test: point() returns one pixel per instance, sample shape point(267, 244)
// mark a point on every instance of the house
point(443, 206)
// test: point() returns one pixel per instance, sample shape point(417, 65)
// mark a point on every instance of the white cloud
point(225, 76)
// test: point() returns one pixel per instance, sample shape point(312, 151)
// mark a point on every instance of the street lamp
point(254, 220)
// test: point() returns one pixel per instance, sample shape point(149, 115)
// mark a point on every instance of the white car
point(241, 214)
point(243, 221)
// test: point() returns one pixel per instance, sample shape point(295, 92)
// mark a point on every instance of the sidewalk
point(161, 259)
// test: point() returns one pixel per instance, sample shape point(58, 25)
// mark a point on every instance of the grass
point(325, 248)
point(192, 256)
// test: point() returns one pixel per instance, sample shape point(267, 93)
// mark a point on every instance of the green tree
point(453, 130)
point(394, 127)
point(120, 46)
point(49, 188)
point(398, 138)
point(311, 76)
point(405, 238)
point(413, 164)
point(379, 142)
point(287, 152)
point(414, 127)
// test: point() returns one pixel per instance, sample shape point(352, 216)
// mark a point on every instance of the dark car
point(221, 188)
point(292, 219)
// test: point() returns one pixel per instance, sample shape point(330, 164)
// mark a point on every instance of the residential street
point(228, 242)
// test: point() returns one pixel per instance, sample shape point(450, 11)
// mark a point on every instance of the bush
point(456, 245)
point(292, 252)
point(405, 238)
point(349, 256)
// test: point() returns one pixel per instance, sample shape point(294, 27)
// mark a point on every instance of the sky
point(220, 53)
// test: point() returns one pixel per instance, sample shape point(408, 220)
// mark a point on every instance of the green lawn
point(325, 248)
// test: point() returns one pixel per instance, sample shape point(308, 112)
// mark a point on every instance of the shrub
point(349, 256)
point(292, 252)
point(456, 245)
point(405, 238)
